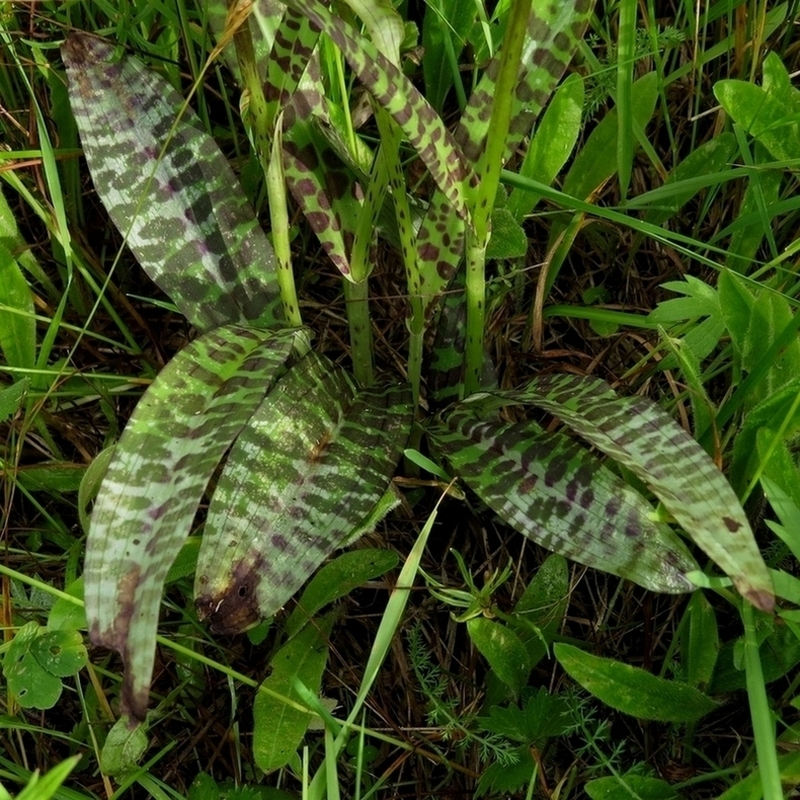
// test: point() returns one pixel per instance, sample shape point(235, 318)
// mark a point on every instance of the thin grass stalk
point(488, 171)
point(760, 712)
point(267, 140)
point(626, 43)
point(389, 625)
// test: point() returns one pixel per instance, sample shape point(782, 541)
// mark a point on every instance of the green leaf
point(699, 300)
point(43, 787)
point(444, 32)
point(54, 477)
point(709, 158)
point(548, 487)
point(642, 437)
point(161, 466)
point(337, 579)
point(508, 239)
point(17, 322)
point(503, 649)
point(750, 788)
point(59, 652)
point(31, 684)
point(630, 787)
point(765, 118)
point(552, 143)
point(542, 717)
point(596, 162)
point(11, 398)
point(538, 614)
point(65, 615)
point(12, 241)
point(185, 562)
point(279, 728)
point(124, 747)
point(90, 483)
point(752, 223)
point(503, 779)
point(701, 643)
point(632, 690)
point(788, 513)
point(169, 190)
point(779, 653)
point(308, 469)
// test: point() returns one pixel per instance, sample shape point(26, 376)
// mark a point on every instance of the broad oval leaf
point(174, 440)
point(644, 438)
point(279, 727)
point(28, 681)
point(169, 190)
point(124, 747)
point(503, 649)
point(633, 690)
point(551, 489)
point(309, 467)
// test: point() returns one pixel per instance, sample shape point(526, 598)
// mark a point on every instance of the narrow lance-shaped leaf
point(169, 190)
point(548, 487)
point(174, 440)
point(309, 467)
point(554, 30)
point(640, 435)
point(390, 87)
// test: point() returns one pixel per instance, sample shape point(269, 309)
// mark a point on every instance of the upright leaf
point(551, 489)
point(174, 440)
point(169, 190)
point(313, 461)
point(390, 87)
point(17, 322)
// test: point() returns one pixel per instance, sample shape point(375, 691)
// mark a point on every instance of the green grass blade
point(176, 436)
point(626, 42)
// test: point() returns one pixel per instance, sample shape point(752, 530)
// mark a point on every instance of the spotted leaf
point(554, 31)
point(161, 466)
point(310, 466)
point(169, 190)
point(645, 439)
point(548, 487)
point(386, 82)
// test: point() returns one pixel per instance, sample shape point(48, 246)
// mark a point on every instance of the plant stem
point(391, 136)
point(267, 140)
point(476, 312)
point(760, 713)
point(488, 171)
point(356, 297)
